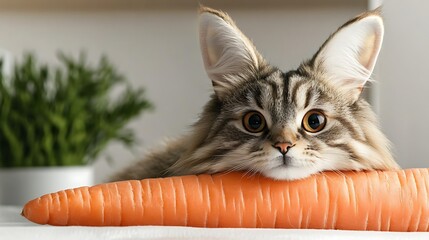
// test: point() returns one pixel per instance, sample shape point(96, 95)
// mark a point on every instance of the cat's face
point(289, 125)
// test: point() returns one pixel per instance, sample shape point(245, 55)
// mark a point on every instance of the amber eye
point(254, 122)
point(314, 121)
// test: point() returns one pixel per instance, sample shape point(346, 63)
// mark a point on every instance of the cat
point(284, 125)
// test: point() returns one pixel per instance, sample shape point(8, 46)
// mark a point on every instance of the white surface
point(19, 185)
point(13, 226)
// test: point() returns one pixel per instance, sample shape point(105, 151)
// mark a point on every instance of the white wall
point(404, 80)
point(158, 48)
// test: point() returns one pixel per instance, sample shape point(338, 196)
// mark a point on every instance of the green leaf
point(13, 144)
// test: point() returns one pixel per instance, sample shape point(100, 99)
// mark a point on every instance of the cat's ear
point(348, 57)
point(229, 56)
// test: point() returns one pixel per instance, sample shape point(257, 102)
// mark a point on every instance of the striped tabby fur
point(330, 82)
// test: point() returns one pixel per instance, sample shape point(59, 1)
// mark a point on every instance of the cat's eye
point(314, 121)
point(254, 122)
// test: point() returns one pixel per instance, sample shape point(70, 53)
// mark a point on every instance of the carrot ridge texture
point(373, 200)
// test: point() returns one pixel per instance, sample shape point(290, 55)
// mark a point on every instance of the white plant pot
point(19, 185)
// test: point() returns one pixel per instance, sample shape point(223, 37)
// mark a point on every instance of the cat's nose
point(283, 147)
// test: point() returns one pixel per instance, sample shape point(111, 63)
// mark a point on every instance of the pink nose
point(283, 147)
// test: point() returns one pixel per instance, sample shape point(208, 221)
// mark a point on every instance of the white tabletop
point(13, 226)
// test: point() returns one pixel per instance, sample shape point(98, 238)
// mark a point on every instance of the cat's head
point(289, 125)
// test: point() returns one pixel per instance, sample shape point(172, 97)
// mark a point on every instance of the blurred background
point(154, 43)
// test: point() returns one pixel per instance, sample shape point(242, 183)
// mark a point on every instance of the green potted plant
point(56, 120)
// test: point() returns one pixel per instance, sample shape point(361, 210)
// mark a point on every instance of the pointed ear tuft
point(348, 57)
point(227, 54)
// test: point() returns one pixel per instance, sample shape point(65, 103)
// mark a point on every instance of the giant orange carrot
point(376, 200)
